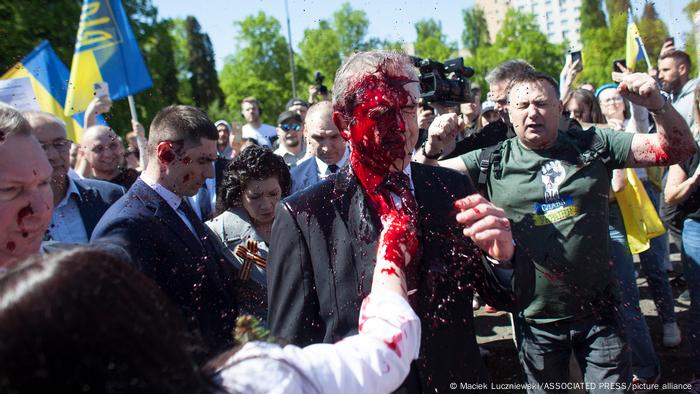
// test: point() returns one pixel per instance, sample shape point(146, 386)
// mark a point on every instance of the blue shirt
point(66, 223)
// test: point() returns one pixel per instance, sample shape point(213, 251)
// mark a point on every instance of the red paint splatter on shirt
point(389, 271)
point(23, 213)
point(393, 344)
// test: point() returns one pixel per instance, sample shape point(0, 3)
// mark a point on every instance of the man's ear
point(341, 124)
point(165, 152)
point(683, 69)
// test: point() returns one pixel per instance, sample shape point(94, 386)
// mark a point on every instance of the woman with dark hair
point(84, 321)
point(583, 107)
point(254, 182)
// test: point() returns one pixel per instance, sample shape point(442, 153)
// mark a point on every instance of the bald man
point(327, 147)
point(78, 203)
point(104, 153)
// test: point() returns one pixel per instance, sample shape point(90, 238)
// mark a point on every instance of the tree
point(519, 38)
point(476, 32)
point(653, 31)
point(351, 27)
point(617, 7)
point(178, 32)
point(431, 42)
point(320, 51)
point(603, 44)
point(592, 16)
point(201, 65)
point(259, 67)
point(690, 44)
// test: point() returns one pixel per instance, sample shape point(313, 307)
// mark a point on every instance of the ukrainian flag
point(48, 76)
point(635, 46)
point(105, 51)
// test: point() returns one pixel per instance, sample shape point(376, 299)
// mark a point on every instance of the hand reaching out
point(398, 241)
point(486, 225)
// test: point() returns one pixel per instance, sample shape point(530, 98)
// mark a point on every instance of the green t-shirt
point(558, 208)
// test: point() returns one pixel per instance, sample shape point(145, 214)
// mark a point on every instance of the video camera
point(318, 81)
point(444, 83)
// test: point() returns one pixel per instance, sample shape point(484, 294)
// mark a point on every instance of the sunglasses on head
point(290, 126)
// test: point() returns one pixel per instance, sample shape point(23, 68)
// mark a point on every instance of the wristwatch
point(662, 109)
point(427, 156)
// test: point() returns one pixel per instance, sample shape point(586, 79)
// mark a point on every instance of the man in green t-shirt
point(554, 187)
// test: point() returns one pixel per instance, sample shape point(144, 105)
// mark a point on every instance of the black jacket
point(324, 243)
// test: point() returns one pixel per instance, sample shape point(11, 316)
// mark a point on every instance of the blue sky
point(388, 19)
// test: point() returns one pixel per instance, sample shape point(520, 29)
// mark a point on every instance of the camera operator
point(318, 91)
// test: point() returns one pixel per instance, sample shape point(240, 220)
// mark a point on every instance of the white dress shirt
point(171, 198)
point(323, 167)
point(66, 223)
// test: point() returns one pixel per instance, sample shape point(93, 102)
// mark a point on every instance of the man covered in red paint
point(26, 199)
point(324, 238)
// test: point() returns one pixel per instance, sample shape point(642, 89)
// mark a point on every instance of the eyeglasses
point(611, 100)
point(58, 144)
point(290, 126)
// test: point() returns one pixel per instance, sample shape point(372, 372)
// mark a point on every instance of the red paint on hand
point(476, 211)
point(389, 271)
point(398, 238)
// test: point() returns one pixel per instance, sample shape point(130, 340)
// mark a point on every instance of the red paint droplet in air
point(23, 213)
point(394, 344)
point(389, 271)
point(11, 246)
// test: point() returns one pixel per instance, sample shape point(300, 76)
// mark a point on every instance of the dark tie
point(204, 202)
point(194, 220)
point(399, 184)
point(333, 168)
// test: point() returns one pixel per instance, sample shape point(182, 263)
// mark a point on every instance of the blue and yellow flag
point(105, 51)
point(635, 46)
point(47, 76)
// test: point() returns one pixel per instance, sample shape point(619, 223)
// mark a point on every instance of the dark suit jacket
point(192, 274)
point(95, 198)
point(320, 268)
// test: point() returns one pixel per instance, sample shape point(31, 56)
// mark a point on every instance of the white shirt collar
point(171, 198)
point(323, 167)
point(72, 189)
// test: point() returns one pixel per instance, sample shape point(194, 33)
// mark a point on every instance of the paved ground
point(494, 334)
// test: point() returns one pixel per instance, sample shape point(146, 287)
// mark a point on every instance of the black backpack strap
point(589, 144)
point(489, 157)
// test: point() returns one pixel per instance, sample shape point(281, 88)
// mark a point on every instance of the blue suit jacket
point(192, 274)
point(304, 174)
point(95, 198)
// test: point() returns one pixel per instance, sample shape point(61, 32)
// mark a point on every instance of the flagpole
point(291, 51)
point(132, 108)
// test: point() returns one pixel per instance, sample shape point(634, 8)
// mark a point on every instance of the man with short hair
point(328, 149)
point(299, 106)
point(290, 133)
point(166, 240)
point(223, 148)
point(674, 74)
point(555, 185)
point(263, 134)
point(104, 153)
point(499, 78)
point(78, 203)
point(325, 236)
point(25, 190)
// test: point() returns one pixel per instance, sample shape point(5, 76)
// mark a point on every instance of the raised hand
point(640, 89)
point(486, 225)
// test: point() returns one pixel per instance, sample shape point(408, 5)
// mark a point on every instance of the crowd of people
point(361, 230)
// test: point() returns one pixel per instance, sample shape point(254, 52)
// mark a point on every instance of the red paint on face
point(377, 129)
point(167, 154)
point(393, 344)
point(389, 271)
point(23, 213)
point(186, 160)
point(25, 234)
point(186, 178)
point(11, 246)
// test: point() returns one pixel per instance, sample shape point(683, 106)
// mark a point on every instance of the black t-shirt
point(691, 206)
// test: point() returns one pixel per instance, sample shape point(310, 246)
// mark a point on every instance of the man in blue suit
point(166, 240)
point(328, 148)
point(78, 203)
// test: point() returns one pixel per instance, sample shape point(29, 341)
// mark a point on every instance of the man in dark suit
point(78, 203)
point(324, 238)
point(328, 149)
point(156, 225)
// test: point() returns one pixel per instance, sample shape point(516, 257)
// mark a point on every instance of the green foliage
point(476, 32)
point(519, 38)
point(178, 32)
point(351, 27)
point(204, 81)
point(592, 15)
point(320, 51)
point(601, 46)
point(431, 43)
point(690, 44)
point(259, 67)
point(617, 7)
point(653, 32)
